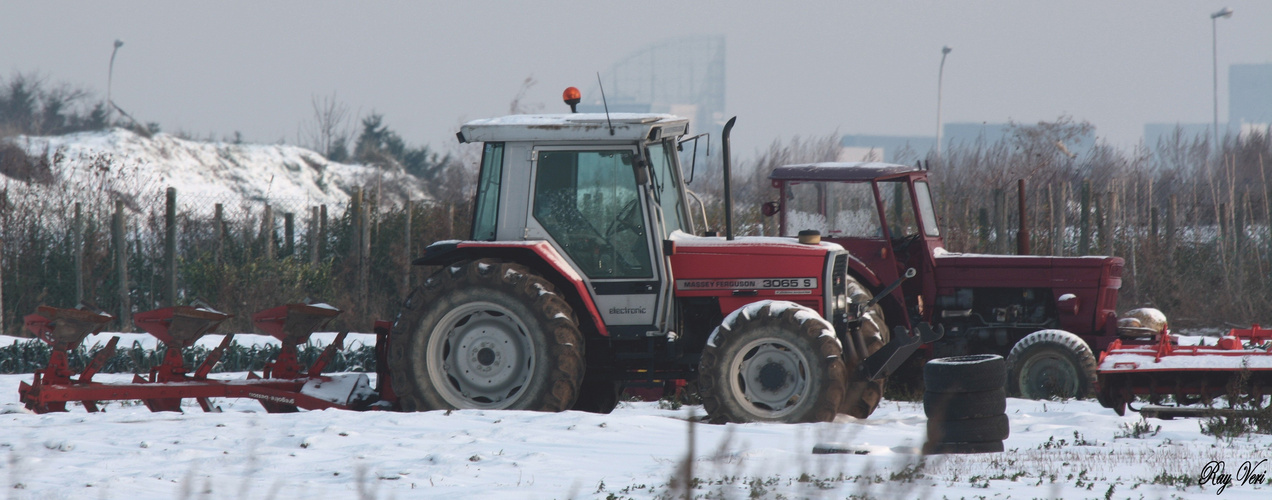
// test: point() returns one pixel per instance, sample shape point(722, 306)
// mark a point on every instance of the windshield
point(836, 209)
point(925, 208)
point(900, 209)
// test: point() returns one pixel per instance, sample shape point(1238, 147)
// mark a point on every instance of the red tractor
point(585, 272)
point(1047, 315)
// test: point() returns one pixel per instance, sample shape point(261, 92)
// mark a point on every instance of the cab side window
point(589, 204)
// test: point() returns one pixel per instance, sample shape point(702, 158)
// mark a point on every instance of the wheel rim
point(771, 377)
point(480, 356)
point(1048, 375)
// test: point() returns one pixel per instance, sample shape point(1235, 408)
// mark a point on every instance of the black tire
point(863, 395)
point(971, 430)
point(963, 448)
point(598, 394)
point(486, 334)
point(772, 361)
point(959, 374)
point(961, 406)
point(1051, 364)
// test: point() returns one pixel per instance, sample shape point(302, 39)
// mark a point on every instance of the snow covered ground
point(1072, 449)
point(121, 161)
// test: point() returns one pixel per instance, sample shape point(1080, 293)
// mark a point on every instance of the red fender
point(558, 263)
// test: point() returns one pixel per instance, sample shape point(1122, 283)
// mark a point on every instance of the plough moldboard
point(1238, 367)
point(285, 385)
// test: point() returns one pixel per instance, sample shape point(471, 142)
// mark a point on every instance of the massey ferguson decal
point(748, 284)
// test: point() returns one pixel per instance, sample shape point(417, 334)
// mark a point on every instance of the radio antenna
point(607, 117)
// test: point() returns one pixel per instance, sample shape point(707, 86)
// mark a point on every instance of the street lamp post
point(1214, 47)
point(940, 75)
point(110, 77)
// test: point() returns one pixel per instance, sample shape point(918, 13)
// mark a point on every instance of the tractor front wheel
point(1051, 364)
point(486, 334)
point(863, 395)
point(772, 361)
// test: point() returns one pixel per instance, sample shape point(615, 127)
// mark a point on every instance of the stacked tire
point(966, 404)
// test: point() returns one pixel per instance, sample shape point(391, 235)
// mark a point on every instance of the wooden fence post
point(355, 252)
point(983, 219)
point(313, 235)
point(170, 249)
point(3, 318)
point(1153, 244)
point(364, 265)
point(267, 232)
point(117, 234)
point(1098, 223)
point(1171, 221)
point(1108, 224)
point(1022, 235)
point(1000, 221)
point(1239, 218)
point(450, 222)
point(78, 241)
point(218, 225)
point(1066, 193)
point(1084, 220)
point(406, 250)
point(1052, 219)
point(322, 233)
point(289, 234)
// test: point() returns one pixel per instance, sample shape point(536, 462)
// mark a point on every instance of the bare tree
point(330, 129)
point(517, 107)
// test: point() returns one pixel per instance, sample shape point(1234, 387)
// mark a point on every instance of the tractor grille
point(838, 293)
point(839, 273)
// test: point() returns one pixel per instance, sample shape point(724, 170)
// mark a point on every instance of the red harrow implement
point(1238, 367)
point(284, 386)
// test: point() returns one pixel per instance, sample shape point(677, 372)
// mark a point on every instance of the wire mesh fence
point(136, 253)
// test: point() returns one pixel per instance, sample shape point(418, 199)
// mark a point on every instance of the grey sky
point(806, 68)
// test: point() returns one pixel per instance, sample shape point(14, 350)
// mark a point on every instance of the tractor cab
point(602, 191)
point(882, 213)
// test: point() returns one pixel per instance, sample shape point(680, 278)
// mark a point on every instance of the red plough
point(284, 386)
point(64, 329)
point(1238, 366)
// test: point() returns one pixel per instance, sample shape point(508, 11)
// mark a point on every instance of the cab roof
point(840, 171)
point(573, 127)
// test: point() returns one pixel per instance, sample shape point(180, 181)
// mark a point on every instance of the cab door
point(587, 203)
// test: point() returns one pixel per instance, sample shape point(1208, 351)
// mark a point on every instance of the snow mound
point(129, 164)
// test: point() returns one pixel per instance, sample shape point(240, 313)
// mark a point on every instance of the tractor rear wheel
point(486, 334)
point(1051, 364)
point(864, 395)
point(772, 361)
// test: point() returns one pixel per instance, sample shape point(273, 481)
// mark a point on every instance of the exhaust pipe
point(728, 178)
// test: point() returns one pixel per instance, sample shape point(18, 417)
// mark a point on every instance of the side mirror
point(640, 168)
point(769, 209)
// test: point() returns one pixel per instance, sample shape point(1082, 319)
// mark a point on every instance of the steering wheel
point(904, 243)
point(623, 222)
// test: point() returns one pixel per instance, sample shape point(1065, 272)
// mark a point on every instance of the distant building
point(888, 148)
point(969, 134)
point(907, 149)
point(1164, 133)
point(1249, 109)
point(1249, 96)
point(681, 76)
